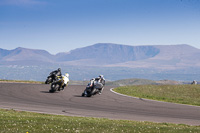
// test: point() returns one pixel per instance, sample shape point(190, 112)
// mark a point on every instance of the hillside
point(104, 53)
point(21, 56)
point(114, 61)
point(110, 55)
point(170, 57)
point(135, 81)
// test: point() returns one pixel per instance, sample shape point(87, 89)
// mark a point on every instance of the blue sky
point(63, 25)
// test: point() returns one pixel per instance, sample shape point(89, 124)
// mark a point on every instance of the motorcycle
point(92, 90)
point(57, 84)
point(51, 78)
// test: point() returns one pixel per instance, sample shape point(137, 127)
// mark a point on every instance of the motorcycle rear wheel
point(83, 95)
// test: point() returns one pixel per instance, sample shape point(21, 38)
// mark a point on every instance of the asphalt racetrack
point(36, 98)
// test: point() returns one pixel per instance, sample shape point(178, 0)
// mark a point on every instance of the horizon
point(118, 61)
point(54, 26)
point(95, 44)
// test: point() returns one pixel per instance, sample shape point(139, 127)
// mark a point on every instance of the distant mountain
point(3, 53)
point(25, 56)
point(170, 57)
point(114, 61)
point(106, 53)
point(165, 57)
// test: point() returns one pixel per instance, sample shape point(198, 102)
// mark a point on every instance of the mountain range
point(167, 57)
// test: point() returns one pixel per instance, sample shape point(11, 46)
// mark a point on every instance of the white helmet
point(67, 75)
point(101, 76)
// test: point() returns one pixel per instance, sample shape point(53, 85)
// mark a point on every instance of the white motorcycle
point(96, 88)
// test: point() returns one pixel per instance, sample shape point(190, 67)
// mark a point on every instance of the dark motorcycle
point(51, 78)
point(92, 90)
point(56, 85)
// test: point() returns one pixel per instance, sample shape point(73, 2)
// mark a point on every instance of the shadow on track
point(47, 92)
point(78, 96)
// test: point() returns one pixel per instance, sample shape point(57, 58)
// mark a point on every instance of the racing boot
point(62, 88)
point(100, 91)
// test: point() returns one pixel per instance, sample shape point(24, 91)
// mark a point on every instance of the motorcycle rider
point(56, 72)
point(99, 79)
point(53, 76)
point(92, 82)
point(65, 80)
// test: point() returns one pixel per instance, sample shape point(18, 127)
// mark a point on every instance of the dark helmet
point(59, 69)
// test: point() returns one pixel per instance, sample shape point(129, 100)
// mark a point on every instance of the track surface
point(35, 97)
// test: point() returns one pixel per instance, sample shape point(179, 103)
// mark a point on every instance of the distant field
point(108, 83)
point(21, 81)
point(123, 82)
point(133, 81)
point(25, 122)
point(183, 94)
point(39, 82)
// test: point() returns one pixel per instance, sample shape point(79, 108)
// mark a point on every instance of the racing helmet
point(59, 69)
point(67, 75)
point(101, 76)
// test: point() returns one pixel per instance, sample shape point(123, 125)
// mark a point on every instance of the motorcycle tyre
point(92, 93)
point(83, 94)
point(53, 89)
point(89, 95)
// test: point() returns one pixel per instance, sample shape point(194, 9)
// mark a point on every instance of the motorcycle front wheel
point(54, 87)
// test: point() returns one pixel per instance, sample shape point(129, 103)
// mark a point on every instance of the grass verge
point(21, 81)
point(25, 122)
point(183, 94)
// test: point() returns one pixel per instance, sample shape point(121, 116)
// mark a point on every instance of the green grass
point(22, 81)
point(22, 122)
point(133, 81)
point(123, 82)
point(184, 94)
